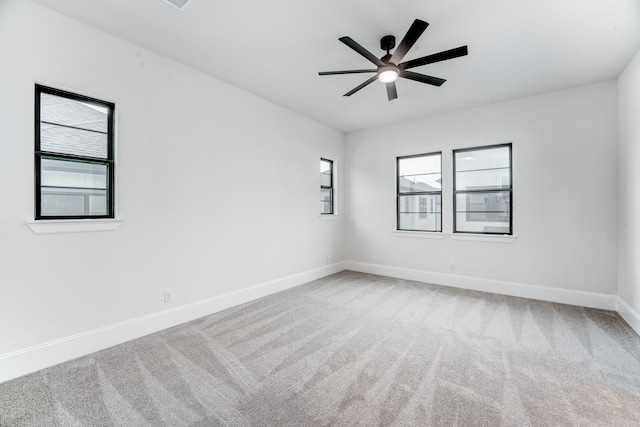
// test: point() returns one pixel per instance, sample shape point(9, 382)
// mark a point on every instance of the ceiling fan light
point(388, 75)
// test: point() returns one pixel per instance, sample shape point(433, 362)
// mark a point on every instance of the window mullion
point(74, 157)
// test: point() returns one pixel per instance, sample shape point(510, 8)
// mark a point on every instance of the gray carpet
point(353, 349)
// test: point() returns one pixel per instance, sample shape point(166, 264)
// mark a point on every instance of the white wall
point(218, 189)
point(564, 202)
point(629, 187)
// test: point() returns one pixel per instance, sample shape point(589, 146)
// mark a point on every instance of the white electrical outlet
point(452, 266)
point(168, 295)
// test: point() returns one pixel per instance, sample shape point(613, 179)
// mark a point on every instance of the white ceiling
point(275, 48)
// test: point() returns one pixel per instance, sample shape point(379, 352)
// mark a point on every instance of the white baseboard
point(31, 359)
point(630, 316)
point(564, 296)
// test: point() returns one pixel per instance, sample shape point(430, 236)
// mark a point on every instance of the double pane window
point(482, 190)
point(419, 192)
point(326, 187)
point(74, 168)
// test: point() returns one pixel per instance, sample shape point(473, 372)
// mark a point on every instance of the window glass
point(419, 192)
point(73, 188)
point(482, 190)
point(73, 127)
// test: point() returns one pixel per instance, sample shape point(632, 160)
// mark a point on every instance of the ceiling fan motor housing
point(387, 43)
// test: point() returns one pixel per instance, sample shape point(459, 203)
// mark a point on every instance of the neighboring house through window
point(419, 192)
point(74, 167)
point(483, 190)
point(327, 204)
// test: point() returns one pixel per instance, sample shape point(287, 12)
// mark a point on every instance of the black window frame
point(485, 191)
point(39, 154)
point(417, 193)
point(329, 187)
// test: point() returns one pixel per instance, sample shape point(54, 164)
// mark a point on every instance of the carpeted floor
point(353, 349)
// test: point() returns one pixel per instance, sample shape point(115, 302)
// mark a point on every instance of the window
point(326, 187)
point(74, 168)
point(419, 192)
point(482, 193)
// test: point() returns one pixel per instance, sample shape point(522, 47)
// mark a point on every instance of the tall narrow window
point(482, 193)
point(419, 192)
point(326, 187)
point(74, 170)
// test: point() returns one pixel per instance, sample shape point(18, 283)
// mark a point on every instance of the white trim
point(31, 359)
point(328, 217)
point(630, 316)
point(544, 293)
point(73, 225)
point(419, 234)
point(499, 238)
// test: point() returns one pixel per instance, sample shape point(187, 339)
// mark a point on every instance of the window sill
point(73, 225)
point(483, 237)
point(419, 234)
point(329, 217)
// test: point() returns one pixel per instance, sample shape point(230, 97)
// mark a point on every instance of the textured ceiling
point(275, 48)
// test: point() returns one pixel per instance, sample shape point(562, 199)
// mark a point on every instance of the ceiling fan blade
point(331, 73)
point(392, 93)
point(422, 78)
point(415, 31)
point(357, 88)
point(436, 57)
point(362, 51)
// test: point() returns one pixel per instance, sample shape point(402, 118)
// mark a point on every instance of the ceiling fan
point(390, 67)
